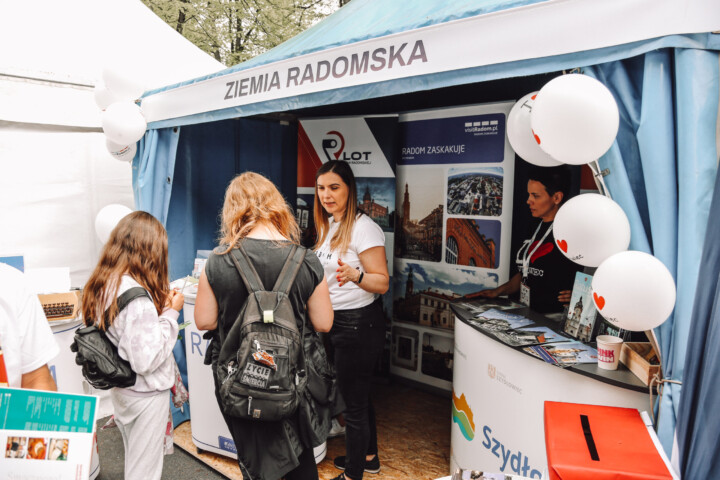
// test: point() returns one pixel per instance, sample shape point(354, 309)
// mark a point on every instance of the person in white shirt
point(351, 248)
point(145, 333)
point(26, 340)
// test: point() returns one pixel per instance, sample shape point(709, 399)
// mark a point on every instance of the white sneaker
point(336, 430)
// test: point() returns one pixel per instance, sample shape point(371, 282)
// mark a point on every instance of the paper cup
point(608, 348)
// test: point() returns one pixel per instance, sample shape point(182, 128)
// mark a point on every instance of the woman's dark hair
point(554, 179)
point(341, 239)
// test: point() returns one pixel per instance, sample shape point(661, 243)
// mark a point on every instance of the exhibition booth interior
point(451, 59)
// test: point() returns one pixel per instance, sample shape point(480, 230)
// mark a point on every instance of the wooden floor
point(413, 436)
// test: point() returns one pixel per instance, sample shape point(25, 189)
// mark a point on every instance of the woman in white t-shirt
point(351, 248)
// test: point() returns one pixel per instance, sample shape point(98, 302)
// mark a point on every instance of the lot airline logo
point(463, 416)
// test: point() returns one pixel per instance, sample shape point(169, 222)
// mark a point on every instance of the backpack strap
point(130, 295)
point(242, 262)
point(290, 270)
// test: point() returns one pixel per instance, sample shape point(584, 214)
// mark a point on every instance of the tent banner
point(369, 145)
point(455, 182)
point(532, 31)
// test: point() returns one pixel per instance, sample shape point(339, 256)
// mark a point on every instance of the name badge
point(524, 294)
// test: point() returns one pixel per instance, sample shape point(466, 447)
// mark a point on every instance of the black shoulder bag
point(101, 364)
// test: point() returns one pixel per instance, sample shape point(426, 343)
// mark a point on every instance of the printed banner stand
point(369, 145)
point(454, 217)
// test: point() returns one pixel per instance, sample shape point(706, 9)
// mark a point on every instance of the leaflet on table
point(513, 320)
point(549, 335)
point(504, 326)
point(564, 353)
point(481, 305)
point(532, 335)
point(46, 435)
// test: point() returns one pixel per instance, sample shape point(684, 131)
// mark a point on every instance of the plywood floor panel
point(413, 436)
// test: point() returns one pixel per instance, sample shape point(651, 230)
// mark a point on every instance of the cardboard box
point(635, 356)
point(600, 443)
point(61, 306)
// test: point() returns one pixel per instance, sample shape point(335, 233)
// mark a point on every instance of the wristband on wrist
point(362, 274)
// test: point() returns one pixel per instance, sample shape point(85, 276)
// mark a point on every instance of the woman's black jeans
point(358, 336)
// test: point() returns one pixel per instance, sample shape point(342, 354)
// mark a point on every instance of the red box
point(599, 443)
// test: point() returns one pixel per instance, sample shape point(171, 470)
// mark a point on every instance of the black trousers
point(358, 336)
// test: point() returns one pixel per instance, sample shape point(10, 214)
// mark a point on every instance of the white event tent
point(55, 170)
point(659, 58)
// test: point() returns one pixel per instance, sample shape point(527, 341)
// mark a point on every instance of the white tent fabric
point(70, 41)
point(55, 171)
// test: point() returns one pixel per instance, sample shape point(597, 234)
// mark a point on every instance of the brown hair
point(138, 247)
point(252, 200)
point(341, 239)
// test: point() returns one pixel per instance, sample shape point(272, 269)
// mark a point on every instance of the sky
point(426, 187)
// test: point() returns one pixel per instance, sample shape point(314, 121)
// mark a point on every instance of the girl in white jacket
point(145, 333)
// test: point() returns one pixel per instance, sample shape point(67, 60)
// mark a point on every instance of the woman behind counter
point(545, 276)
point(351, 248)
point(256, 215)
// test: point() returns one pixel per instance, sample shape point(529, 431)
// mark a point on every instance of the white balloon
point(575, 119)
point(121, 86)
point(108, 218)
point(521, 137)
point(123, 123)
point(121, 152)
point(634, 291)
point(103, 96)
point(591, 227)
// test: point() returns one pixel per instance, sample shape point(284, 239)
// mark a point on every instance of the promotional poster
point(46, 435)
point(454, 214)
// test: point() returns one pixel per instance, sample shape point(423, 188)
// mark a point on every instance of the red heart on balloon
point(537, 139)
point(533, 97)
point(562, 244)
point(599, 300)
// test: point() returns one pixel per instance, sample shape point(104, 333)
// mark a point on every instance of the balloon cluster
point(122, 119)
point(574, 119)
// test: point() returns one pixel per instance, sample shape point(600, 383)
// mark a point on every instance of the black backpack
point(101, 364)
point(261, 365)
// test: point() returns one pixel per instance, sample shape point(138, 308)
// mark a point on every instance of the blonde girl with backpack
point(144, 332)
point(256, 216)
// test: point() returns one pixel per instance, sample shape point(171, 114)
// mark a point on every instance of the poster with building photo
point(420, 221)
point(376, 198)
point(472, 242)
point(475, 191)
point(454, 206)
point(405, 349)
point(422, 293)
point(437, 356)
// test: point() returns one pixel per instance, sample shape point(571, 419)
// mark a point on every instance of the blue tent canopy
point(658, 57)
point(464, 42)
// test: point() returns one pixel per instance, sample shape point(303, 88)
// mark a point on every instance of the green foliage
point(233, 31)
